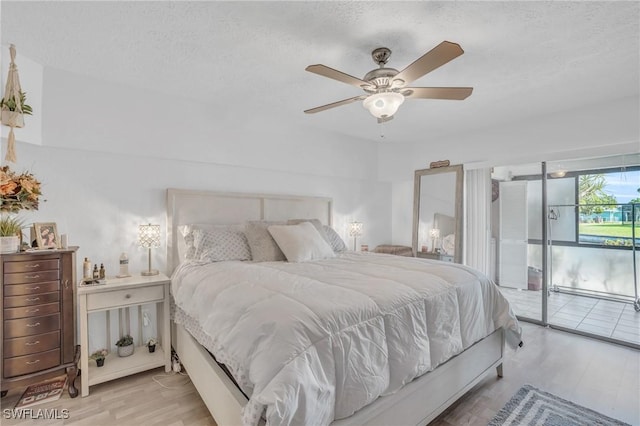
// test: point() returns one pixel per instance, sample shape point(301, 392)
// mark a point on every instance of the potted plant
point(10, 234)
point(125, 346)
point(11, 116)
point(151, 344)
point(99, 356)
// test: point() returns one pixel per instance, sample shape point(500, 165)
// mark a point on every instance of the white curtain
point(477, 236)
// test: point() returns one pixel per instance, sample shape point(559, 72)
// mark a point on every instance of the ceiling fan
point(386, 88)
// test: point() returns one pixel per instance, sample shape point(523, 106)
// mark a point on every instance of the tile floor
point(615, 320)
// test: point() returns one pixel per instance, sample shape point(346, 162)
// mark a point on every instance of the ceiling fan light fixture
point(382, 105)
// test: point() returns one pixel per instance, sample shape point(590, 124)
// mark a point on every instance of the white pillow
point(301, 242)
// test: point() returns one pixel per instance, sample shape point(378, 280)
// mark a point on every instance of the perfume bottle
point(103, 273)
point(96, 272)
point(86, 269)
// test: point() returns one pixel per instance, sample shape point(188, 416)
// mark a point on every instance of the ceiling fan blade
point(325, 71)
point(436, 57)
point(335, 104)
point(384, 119)
point(453, 93)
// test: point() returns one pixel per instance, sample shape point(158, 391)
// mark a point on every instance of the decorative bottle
point(86, 269)
point(96, 272)
point(103, 273)
point(124, 265)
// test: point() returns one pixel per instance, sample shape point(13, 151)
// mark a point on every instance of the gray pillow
point(218, 244)
point(263, 246)
point(334, 239)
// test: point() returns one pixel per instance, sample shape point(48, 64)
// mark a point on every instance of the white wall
point(109, 153)
point(596, 130)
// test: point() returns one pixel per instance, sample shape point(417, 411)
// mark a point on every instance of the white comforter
point(317, 341)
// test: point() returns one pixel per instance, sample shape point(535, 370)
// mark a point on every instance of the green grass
point(615, 229)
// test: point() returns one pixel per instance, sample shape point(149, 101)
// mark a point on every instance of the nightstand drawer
point(35, 288)
point(121, 298)
point(31, 311)
point(31, 266)
point(31, 277)
point(31, 363)
point(32, 344)
point(31, 326)
point(30, 300)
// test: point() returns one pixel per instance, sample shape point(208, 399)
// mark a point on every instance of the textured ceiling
point(523, 59)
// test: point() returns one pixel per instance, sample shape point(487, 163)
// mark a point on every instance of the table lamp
point(355, 231)
point(149, 237)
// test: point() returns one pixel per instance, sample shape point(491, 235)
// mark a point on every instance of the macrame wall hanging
point(13, 105)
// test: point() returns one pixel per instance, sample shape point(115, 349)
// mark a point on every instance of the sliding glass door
point(567, 244)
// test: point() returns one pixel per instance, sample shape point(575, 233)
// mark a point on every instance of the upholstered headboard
point(225, 208)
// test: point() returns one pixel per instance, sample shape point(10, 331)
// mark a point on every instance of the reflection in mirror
point(437, 213)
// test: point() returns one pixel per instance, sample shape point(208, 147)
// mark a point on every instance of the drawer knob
point(128, 296)
point(34, 288)
point(33, 325)
point(33, 362)
point(35, 265)
point(37, 342)
point(32, 299)
point(32, 311)
point(32, 277)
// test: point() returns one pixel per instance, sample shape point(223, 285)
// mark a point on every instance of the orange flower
point(8, 188)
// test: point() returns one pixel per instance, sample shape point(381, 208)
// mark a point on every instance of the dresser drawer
point(31, 311)
point(18, 366)
point(32, 344)
point(31, 326)
point(35, 288)
point(31, 277)
point(30, 300)
point(121, 298)
point(31, 266)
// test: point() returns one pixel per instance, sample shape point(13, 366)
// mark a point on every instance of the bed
point(340, 365)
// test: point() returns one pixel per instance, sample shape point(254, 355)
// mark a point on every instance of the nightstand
point(124, 294)
point(435, 256)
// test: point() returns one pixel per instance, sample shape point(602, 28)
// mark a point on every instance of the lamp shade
point(434, 233)
point(149, 236)
point(355, 229)
point(382, 105)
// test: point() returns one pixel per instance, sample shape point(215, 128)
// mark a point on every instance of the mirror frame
point(458, 208)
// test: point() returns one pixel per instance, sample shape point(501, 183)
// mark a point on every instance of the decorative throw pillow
point(315, 222)
point(334, 239)
point(218, 244)
point(263, 246)
point(301, 242)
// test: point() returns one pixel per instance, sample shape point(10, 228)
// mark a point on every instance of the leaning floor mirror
point(437, 213)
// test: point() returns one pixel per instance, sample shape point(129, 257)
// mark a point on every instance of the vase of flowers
point(99, 356)
point(125, 346)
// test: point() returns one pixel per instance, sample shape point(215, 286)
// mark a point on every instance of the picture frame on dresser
point(47, 235)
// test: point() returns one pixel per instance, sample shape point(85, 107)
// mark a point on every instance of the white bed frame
point(417, 403)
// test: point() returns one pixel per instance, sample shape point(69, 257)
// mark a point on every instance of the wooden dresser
point(38, 334)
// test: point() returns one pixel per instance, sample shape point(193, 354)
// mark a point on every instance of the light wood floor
point(598, 375)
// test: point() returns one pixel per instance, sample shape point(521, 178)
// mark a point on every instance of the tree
point(592, 196)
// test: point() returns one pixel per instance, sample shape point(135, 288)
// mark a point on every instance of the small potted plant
point(99, 356)
point(14, 110)
point(125, 346)
point(10, 233)
point(151, 344)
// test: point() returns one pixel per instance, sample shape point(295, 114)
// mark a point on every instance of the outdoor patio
point(607, 318)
